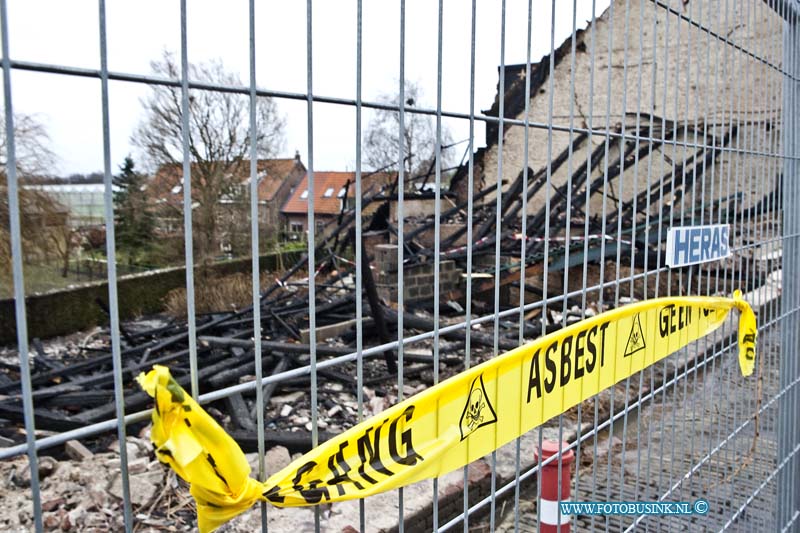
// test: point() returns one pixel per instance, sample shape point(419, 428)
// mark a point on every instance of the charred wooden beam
point(237, 409)
point(139, 400)
point(43, 418)
point(294, 441)
point(376, 307)
point(269, 388)
point(276, 346)
point(412, 321)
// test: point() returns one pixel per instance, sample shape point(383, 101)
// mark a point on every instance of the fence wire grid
point(651, 115)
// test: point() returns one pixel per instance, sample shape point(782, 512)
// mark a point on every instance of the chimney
point(297, 156)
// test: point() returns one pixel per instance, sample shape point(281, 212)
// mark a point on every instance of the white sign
point(690, 245)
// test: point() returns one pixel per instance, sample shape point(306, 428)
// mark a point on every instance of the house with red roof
point(333, 192)
point(277, 178)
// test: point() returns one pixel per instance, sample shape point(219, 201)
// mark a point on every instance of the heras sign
point(690, 245)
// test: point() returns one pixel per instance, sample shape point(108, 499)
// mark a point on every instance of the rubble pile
point(73, 383)
point(85, 492)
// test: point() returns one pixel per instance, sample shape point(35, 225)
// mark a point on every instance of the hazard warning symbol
point(478, 411)
point(636, 341)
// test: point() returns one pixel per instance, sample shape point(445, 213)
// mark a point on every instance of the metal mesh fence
point(652, 115)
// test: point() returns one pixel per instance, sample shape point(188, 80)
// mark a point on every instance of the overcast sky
point(66, 33)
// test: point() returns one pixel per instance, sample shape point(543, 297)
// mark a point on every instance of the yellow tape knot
point(200, 451)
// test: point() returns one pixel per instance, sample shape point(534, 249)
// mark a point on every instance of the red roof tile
point(331, 183)
point(271, 175)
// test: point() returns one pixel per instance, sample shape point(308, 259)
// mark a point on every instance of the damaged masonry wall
point(684, 88)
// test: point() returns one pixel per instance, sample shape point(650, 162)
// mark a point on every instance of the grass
point(41, 278)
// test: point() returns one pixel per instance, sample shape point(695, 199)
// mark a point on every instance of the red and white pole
point(549, 518)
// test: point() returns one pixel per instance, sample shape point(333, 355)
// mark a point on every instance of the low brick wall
point(417, 280)
point(67, 311)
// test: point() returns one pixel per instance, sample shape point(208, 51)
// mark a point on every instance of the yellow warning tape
point(446, 426)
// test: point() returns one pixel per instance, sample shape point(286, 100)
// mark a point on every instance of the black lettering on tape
point(566, 351)
point(664, 320)
point(369, 452)
point(672, 319)
point(339, 468)
point(273, 496)
point(213, 464)
point(684, 316)
point(534, 379)
point(749, 340)
point(309, 492)
point(578, 353)
point(603, 328)
point(592, 348)
point(411, 457)
point(559, 366)
point(550, 379)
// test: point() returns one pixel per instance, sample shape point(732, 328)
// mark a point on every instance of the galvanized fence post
point(788, 500)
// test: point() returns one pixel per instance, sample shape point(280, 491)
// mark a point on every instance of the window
point(296, 227)
point(341, 193)
point(304, 194)
point(328, 192)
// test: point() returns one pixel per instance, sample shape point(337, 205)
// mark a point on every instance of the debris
point(75, 450)
point(21, 476)
point(276, 458)
point(144, 487)
point(287, 398)
point(138, 466)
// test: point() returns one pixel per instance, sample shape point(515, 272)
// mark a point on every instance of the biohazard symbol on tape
point(636, 341)
point(478, 411)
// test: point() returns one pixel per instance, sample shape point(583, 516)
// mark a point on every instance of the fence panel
point(648, 116)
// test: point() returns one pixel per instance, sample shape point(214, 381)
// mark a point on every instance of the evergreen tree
point(134, 223)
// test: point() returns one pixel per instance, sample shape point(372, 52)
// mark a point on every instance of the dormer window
point(304, 194)
point(341, 193)
point(328, 193)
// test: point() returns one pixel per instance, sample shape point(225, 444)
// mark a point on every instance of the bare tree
point(382, 143)
point(41, 217)
point(218, 139)
point(64, 240)
point(33, 154)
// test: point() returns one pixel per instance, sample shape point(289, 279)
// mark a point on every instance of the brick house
point(333, 191)
point(277, 178)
